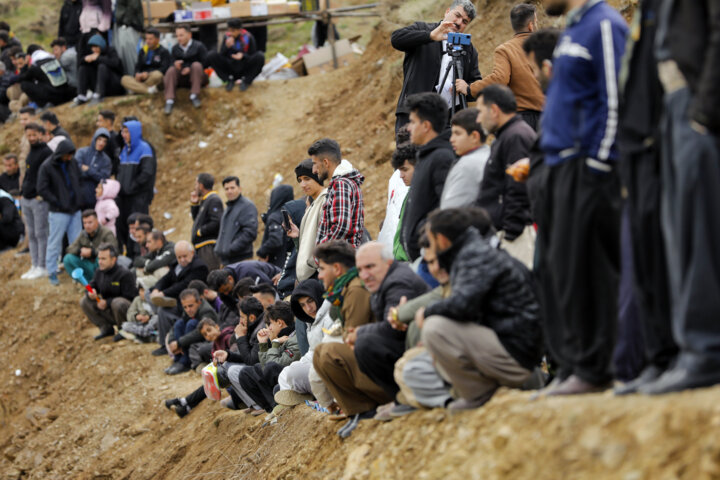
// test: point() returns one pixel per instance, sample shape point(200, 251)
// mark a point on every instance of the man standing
point(239, 60)
point(188, 58)
point(311, 186)
point(82, 253)
point(511, 67)
point(206, 209)
point(113, 289)
point(687, 52)
point(128, 25)
point(505, 199)
point(69, 24)
point(59, 182)
point(34, 207)
point(136, 174)
point(238, 226)
point(153, 60)
point(434, 159)
point(95, 167)
point(426, 60)
point(106, 120)
point(343, 215)
point(583, 215)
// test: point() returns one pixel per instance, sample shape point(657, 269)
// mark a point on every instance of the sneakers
point(176, 368)
point(291, 397)
point(54, 279)
point(181, 410)
point(195, 100)
point(95, 100)
point(244, 86)
point(35, 273)
point(169, 107)
point(27, 274)
point(118, 337)
point(227, 403)
point(172, 401)
point(159, 352)
point(128, 336)
point(103, 334)
point(79, 100)
point(229, 85)
point(152, 90)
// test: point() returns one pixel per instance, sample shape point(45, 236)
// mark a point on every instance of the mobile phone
point(286, 220)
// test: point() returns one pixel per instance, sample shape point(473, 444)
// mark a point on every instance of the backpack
point(54, 72)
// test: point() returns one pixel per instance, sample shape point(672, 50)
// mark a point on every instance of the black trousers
point(377, 348)
point(228, 70)
point(691, 227)
point(100, 79)
point(259, 382)
point(531, 117)
point(197, 396)
point(581, 246)
point(640, 171)
point(129, 204)
point(43, 93)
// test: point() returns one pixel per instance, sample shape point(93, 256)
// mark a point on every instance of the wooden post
point(328, 20)
point(149, 16)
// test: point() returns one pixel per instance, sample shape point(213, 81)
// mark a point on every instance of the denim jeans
point(60, 224)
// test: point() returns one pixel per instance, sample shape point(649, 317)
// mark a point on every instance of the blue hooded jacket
point(581, 108)
point(137, 169)
point(99, 169)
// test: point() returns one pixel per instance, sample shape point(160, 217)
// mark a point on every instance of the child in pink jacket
point(106, 208)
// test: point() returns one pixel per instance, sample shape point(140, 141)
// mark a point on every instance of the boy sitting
point(141, 324)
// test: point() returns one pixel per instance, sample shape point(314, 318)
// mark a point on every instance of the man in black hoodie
point(113, 290)
point(206, 208)
point(435, 157)
point(189, 57)
point(45, 82)
point(238, 60)
point(238, 226)
point(100, 70)
point(11, 226)
point(59, 182)
point(34, 207)
point(69, 24)
point(274, 242)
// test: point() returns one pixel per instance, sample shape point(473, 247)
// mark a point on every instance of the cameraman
point(426, 60)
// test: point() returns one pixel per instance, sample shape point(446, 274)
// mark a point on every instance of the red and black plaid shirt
point(343, 216)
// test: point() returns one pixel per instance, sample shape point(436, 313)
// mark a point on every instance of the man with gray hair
point(426, 59)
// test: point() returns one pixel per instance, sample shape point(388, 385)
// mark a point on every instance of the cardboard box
point(258, 9)
point(159, 10)
point(240, 9)
point(277, 8)
point(321, 60)
point(293, 7)
point(183, 16)
point(202, 10)
point(221, 12)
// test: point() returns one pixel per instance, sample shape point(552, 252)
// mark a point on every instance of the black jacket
point(206, 220)
point(307, 288)
point(288, 278)
point(245, 44)
point(693, 41)
point(114, 283)
point(69, 24)
point(205, 310)
point(433, 164)
point(195, 53)
point(160, 60)
point(274, 245)
point(35, 74)
point(59, 182)
point(10, 183)
point(129, 13)
point(109, 57)
point(5, 53)
point(248, 345)
point(423, 59)
point(238, 231)
point(505, 199)
point(165, 257)
point(259, 272)
point(173, 282)
point(38, 154)
point(11, 225)
point(492, 289)
point(400, 281)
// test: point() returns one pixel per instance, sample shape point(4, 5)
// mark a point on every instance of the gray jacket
point(238, 231)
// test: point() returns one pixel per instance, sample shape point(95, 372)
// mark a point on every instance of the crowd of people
point(517, 263)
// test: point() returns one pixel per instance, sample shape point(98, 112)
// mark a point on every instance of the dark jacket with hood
point(100, 168)
point(39, 152)
point(138, 167)
point(274, 245)
point(108, 57)
point(206, 220)
point(248, 347)
point(69, 24)
point(505, 199)
point(177, 279)
point(286, 284)
point(196, 52)
point(434, 160)
point(165, 257)
point(244, 43)
point(308, 288)
point(205, 310)
point(59, 182)
point(423, 61)
point(492, 289)
point(259, 272)
point(129, 13)
point(113, 283)
point(11, 225)
point(238, 231)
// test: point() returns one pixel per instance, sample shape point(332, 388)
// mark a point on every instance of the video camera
point(458, 40)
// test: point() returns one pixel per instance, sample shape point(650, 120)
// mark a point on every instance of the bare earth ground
point(85, 410)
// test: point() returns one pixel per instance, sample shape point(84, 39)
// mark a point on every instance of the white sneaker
point(27, 274)
point(39, 273)
point(152, 90)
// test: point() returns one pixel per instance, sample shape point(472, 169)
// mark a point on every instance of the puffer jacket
point(106, 208)
point(99, 165)
point(138, 167)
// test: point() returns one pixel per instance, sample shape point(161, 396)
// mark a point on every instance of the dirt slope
point(84, 410)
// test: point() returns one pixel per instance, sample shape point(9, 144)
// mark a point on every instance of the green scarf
point(398, 250)
point(334, 293)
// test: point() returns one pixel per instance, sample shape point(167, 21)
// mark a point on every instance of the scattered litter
point(18, 372)
point(229, 135)
point(168, 232)
point(167, 215)
point(202, 144)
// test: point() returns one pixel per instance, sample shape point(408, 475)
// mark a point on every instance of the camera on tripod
point(458, 40)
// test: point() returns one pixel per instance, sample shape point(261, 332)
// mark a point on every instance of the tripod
point(455, 53)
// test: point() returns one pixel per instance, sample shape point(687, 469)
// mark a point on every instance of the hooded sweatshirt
point(99, 165)
point(273, 242)
point(59, 182)
point(106, 208)
point(137, 169)
point(343, 215)
point(39, 152)
point(314, 289)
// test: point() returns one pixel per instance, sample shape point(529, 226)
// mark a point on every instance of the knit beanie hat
point(304, 169)
point(98, 41)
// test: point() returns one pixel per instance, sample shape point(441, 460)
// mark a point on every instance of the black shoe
point(158, 352)
point(229, 85)
point(244, 86)
point(118, 337)
point(650, 374)
point(177, 368)
point(103, 334)
point(172, 401)
point(347, 429)
point(181, 410)
point(682, 378)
